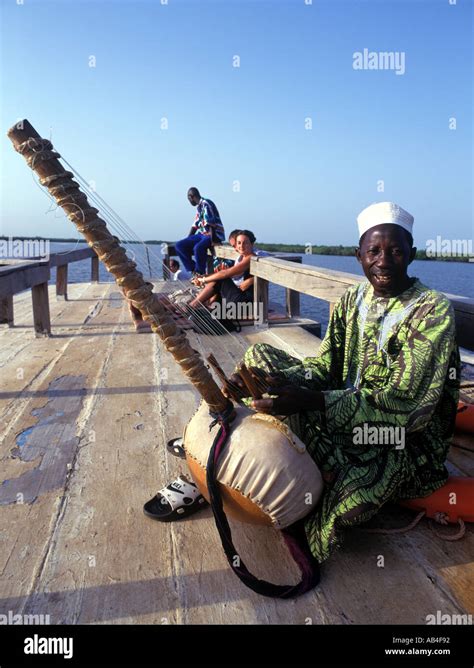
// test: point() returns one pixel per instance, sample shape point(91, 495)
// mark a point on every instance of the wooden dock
point(85, 416)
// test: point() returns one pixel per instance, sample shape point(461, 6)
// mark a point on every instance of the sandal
point(175, 447)
point(177, 500)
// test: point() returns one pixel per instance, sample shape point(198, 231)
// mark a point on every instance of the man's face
point(385, 255)
point(233, 241)
point(193, 199)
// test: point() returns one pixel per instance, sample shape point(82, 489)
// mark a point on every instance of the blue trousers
point(197, 244)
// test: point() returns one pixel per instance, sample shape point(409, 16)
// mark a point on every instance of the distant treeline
point(273, 248)
point(340, 250)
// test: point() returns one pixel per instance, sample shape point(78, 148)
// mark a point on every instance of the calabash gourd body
point(265, 473)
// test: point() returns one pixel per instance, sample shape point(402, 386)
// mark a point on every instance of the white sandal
point(177, 500)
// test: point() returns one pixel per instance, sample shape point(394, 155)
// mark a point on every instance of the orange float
point(465, 418)
point(453, 502)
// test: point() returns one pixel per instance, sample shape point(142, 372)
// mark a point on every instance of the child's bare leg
point(206, 293)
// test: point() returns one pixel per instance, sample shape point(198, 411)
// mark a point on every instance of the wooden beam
point(19, 277)
point(61, 282)
point(314, 281)
point(76, 255)
point(41, 316)
point(292, 303)
point(166, 268)
point(6, 311)
point(260, 300)
point(464, 314)
point(94, 269)
point(226, 251)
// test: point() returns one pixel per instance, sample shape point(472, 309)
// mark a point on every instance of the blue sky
point(247, 123)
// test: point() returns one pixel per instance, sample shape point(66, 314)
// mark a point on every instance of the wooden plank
point(375, 579)
point(41, 316)
point(6, 311)
point(461, 303)
point(323, 284)
point(21, 277)
point(24, 360)
point(27, 528)
point(76, 255)
point(449, 565)
point(61, 282)
point(463, 459)
point(17, 339)
point(95, 558)
point(464, 328)
point(108, 562)
point(18, 266)
point(226, 251)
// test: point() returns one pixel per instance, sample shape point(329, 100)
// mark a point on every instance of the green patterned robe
point(384, 362)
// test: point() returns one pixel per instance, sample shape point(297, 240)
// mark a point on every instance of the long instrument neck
point(43, 160)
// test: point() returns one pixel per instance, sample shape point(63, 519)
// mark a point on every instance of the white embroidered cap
point(383, 213)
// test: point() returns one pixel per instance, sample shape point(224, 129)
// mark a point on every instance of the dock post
point(292, 303)
point(6, 311)
point(260, 300)
point(165, 251)
point(61, 282)
point(95, 269)
point(293, 308)
point(41, 316)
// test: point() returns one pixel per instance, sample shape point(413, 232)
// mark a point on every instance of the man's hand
point(236, 385)
point(289, 399)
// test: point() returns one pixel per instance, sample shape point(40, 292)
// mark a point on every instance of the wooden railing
point(17, 276)
point(330, 285)
point(63, 260)
point(285, 270)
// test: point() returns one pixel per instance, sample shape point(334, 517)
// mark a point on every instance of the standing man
point(207, 229)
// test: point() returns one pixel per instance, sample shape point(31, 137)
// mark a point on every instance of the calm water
point(454, 277)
